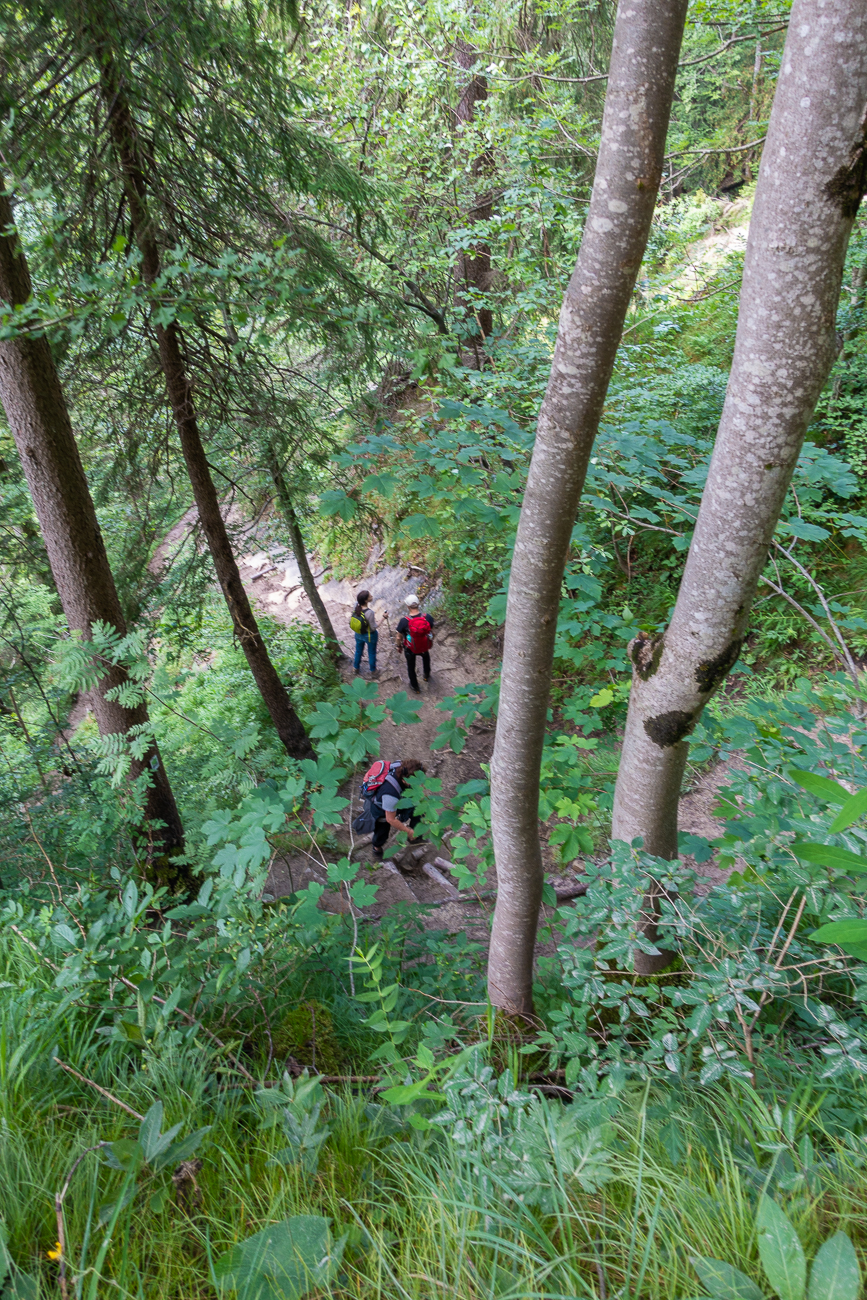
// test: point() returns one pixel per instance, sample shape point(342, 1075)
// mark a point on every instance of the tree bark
point(284, 496)
point(124, 137)
point(644, 57)
point(811, 180)
point(35, 407)
point(473, 269)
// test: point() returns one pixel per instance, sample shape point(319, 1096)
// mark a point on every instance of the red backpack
point(419, 639)
point(375, 775)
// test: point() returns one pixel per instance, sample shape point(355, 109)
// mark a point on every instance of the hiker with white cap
point(415, 637)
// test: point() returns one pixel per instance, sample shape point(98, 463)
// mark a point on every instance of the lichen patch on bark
point(709, 674)
point(668, 729)
point(645, 653)
point(847, 186)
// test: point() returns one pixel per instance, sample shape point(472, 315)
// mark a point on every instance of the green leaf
point(21, 1287)
point(284, 1261)
point(800, 528)
point(5, 1258)
point(336, 502)
point(152, 1141)
point(160, 1199)
point(327, 809)
point(179, 1151)
point(849, 935)
point(723, 1281)
point(829, 855)
point(384, 484)
point(852, 809)
point(403, 710)
point(821, 786)
point(835, 1274)
point(420, 526)
point(780, 1251)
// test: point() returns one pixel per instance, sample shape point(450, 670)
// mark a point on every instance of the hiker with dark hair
point(415, 637)
point(382, 790)
point(363, 623)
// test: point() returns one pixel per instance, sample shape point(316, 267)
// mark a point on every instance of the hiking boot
point(416, 689)
point(426, 679)
point(377, 853)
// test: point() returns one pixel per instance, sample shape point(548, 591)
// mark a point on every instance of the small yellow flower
point(55, 1254)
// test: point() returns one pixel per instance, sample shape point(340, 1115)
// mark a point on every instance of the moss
point(307, 1033)
point(645, 653)
point(847, 186)
point(712, 672)
point(669, 728)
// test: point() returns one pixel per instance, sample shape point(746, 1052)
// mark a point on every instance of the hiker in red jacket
point(415, 637)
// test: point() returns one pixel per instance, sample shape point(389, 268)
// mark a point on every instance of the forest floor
point(418, 876)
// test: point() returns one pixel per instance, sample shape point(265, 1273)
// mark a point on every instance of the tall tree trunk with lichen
point(813, 174)
point(473, 267)
point(647, 40)
point(124, 137)
point(35, 406)
point(284, 496)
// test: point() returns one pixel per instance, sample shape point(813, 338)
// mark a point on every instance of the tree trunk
point(473, 269)
point(38, 417)
point(299, 551)
point(810, 184)
point(124, 138)
point(644, 57)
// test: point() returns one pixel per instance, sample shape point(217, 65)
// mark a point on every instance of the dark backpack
point(418, 640)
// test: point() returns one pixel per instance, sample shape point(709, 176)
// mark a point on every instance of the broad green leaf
point(282, 1262)
point(821, 786)
point(5, 1261)
point(829, 855)
point(849, 935)
point(420, 526)
point(403, 710)
point(384, 484)
point(336, 502)
point(178, 1151)
point(853, 808)
point(723, 1281)
point(151, 1139)
point(780, 1251)
point(800, 528)
point(835, 1274)
point(21, 1286)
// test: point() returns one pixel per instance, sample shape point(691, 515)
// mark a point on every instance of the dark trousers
point(382, 828)
point(410, 667)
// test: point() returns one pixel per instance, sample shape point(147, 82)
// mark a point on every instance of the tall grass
point(421, 1222)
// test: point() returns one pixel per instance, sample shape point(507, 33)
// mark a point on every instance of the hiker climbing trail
point(412, 875)
point(408, 873)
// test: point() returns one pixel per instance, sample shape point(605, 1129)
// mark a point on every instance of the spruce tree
point(36, 410)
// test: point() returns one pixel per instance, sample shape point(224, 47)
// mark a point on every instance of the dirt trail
point(273, 582)
point(407, 878)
